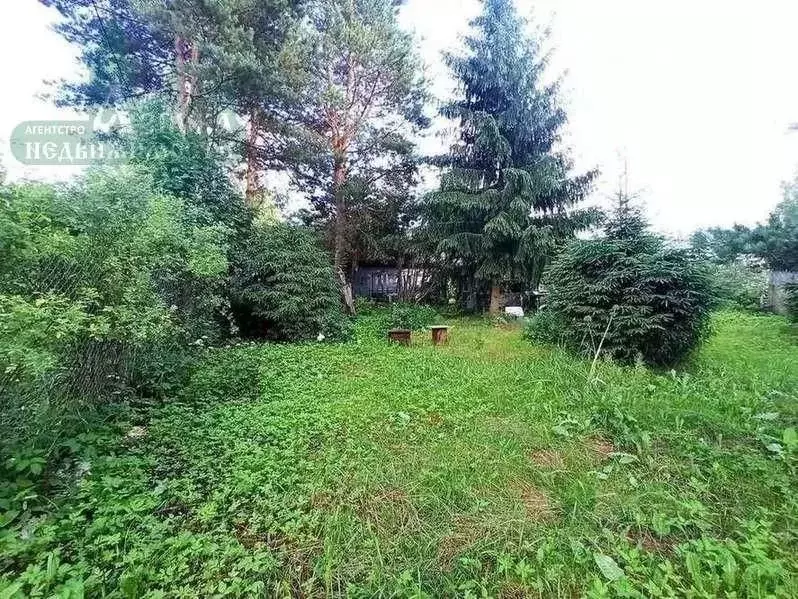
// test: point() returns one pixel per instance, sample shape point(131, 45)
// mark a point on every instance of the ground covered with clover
point(487, 468)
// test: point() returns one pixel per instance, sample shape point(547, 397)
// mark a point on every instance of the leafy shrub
point(544, 327)
point(283, 287)
point(739, 285)
point(98, 274)
point(791, 300)
point(402, 315)
point(630, 294)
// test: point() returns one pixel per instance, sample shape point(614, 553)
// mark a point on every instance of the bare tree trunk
point(346, 292)
point(186, 56)
point(339, 178)
point(495, 299)
point(252, 181)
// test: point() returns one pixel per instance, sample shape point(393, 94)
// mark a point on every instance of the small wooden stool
point(400, 336)
point(440, 334)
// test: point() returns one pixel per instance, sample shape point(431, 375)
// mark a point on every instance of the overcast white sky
point(697, 95)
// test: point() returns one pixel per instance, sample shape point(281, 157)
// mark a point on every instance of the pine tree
point(364, 102)
point(507, 195)
point(208, 57)
point(125, 55)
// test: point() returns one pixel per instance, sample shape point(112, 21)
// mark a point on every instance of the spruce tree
point(507, 195)
point(630, 295)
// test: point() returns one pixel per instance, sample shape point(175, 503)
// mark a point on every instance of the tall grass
point(487, 468)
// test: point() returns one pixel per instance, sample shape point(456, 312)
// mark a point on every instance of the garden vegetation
point(193, 404)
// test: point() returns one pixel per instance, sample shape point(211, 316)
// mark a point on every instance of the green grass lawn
point(486, 468)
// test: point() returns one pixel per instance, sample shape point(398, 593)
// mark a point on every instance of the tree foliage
point(628, 295)
point(98, 275)
point(208, 55)
point(507, 194)
point(283, 287)
point(775, 241)
point(183, 164)
point(231, 70)
point(364, 101)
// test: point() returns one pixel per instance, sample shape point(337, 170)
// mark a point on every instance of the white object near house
point(514, 311)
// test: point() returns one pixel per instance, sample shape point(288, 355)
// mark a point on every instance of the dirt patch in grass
point(600, 448)
point(648, 542)
point(537, 504)
point(390, 511)
point(298, 558)
point(323, 500)
point(466, 531)
point(249, 539)
point(435, 419)
point(547, 458)
point(513, 590)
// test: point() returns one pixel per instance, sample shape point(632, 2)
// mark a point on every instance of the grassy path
point(488, 468)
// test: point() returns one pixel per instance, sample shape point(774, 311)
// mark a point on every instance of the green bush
point(403, 315)
point(791, 301)
point(739, 285)
point(283, 287)
point(630, 294)
point(544, 327)
point(97, 275)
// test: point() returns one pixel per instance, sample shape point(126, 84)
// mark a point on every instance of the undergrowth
point(486, 468)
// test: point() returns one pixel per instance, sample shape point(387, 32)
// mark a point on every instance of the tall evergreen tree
point(776, 241)
point(507, 195)
point(209, 57)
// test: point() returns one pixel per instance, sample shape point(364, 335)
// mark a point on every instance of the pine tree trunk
point(339, 225)
point(253, 184)
point(495, 299)
point(186, 58)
